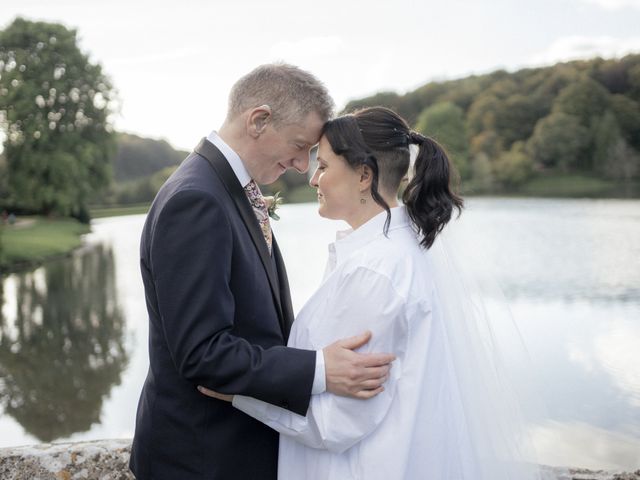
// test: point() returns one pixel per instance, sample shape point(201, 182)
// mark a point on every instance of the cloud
point(615, 4)
point(581, 47)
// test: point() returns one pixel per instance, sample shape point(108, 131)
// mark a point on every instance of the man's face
point(286, 146)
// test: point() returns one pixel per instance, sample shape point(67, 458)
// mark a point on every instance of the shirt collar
point(349, 241)
point(236, 163)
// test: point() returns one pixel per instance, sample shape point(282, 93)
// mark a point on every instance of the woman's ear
point(257, 120)
point(366, 177)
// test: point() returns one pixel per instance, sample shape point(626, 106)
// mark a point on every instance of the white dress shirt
point(237, 165)
point(382, 284)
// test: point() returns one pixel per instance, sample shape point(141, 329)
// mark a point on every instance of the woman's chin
point(322, 211)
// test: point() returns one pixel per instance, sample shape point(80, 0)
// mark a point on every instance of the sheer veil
point(493, 373)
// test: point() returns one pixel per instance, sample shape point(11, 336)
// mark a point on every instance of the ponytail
point(428, 196)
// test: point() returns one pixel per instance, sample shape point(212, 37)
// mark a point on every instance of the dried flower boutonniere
point(272, 205)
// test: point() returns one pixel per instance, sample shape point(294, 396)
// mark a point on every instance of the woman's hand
point(211, 393)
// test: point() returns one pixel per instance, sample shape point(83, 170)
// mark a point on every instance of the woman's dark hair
point(379, 138)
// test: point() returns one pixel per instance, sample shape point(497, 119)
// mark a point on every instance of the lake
point(73, 333)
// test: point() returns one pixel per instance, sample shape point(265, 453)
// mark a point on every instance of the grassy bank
point(33, 239)
point(101, 212)
point(563, 186)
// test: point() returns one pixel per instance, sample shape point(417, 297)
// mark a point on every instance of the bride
point(446, 410)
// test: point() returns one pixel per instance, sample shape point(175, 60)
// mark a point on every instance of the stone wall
point(108, 460)
point(100, 460)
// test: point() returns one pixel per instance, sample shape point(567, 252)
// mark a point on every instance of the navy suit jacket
point(219, 316)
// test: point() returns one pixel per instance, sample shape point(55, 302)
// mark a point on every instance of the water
point(73, 351)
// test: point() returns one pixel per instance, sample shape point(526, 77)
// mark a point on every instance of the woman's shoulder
point(397, 256)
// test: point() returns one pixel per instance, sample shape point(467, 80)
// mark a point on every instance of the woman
point(444, 412)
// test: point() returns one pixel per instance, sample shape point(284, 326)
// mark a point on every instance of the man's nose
point(301, 163)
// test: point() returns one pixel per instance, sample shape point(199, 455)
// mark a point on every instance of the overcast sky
point(174, 62)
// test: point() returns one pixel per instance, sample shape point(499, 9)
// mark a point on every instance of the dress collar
point(349, 241)
point(236, 163)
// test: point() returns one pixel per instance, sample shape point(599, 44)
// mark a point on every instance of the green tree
point(482, 114)
point(606, 133)
point(516, 117)
point(558, 140)
point(54, 109)
point(514, 167)
point(445, 122)
point(634, 82)
point(488, 143)
point(627, 113)
point(622, 162)
point(483, 179)
point(585, 99)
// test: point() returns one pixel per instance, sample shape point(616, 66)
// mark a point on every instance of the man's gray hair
point(289, 91)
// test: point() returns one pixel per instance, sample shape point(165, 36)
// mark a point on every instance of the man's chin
point(268, 179)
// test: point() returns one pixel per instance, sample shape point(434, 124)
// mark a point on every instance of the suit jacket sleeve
point(190, 260)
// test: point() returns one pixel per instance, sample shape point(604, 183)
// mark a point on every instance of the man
point(218, 298)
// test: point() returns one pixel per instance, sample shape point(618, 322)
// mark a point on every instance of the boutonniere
point(272, 205)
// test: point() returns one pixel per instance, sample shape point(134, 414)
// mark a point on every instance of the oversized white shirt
point(415, 428)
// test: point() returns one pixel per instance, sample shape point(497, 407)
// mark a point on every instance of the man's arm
point(190, 262)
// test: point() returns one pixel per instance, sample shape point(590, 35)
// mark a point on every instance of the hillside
point(576, 120)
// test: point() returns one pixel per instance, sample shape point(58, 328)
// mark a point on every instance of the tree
point(606, 134)
point(622, 162)
point(585, 99)
point(515, 118)
point(627, 113)
point(445, 122)
point(634, 82)
point(55, 107)
point(514, 167)
point(481, 115)
point(487, 143)
point(558, 140)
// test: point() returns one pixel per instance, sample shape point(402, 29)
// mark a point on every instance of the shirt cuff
point(250, 406)
point(319, 380)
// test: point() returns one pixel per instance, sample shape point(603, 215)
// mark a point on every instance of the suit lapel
point(222, 168)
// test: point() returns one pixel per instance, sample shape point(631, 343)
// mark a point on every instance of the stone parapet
point(109, 460)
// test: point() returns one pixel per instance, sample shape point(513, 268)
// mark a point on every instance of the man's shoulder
point(193, 181)
point(194, 175)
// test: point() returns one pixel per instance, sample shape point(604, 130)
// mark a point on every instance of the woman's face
point(337, 183)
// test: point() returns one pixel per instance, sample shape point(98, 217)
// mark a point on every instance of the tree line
point(502, 129)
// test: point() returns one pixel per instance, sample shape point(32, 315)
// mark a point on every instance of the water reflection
point(61, 344)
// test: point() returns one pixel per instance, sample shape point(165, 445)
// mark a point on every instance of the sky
point(173, 63)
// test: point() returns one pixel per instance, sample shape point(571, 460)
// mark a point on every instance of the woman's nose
point(314, 180)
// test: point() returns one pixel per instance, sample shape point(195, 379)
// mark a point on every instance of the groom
point(218, 297)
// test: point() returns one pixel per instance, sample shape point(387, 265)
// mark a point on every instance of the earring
point(363, 201)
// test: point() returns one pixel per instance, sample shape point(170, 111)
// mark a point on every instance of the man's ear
point(257, 120)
